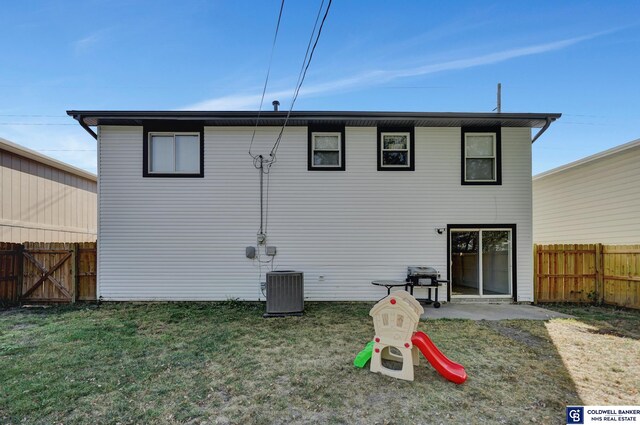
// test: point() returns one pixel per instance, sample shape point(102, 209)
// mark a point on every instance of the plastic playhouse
point(395, 319)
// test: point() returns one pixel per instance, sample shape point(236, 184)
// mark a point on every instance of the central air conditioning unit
point(285, 293)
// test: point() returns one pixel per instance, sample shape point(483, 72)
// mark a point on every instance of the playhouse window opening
point(391, 358)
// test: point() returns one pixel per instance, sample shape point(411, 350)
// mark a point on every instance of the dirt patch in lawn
point(520, 335)
point(611, 332)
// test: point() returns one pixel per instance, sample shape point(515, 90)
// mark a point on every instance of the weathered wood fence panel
point(621, 280)
point(48, 272)
point(86, 271)
point(608, 274)
point(10, 272)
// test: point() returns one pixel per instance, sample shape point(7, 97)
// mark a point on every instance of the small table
point(390, 284)
point(409, 285)
point(435, 285)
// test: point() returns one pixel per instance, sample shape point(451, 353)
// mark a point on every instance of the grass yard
point(222, 363)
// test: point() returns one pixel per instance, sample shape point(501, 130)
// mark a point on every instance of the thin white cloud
point(86, 43)
point(251, 101)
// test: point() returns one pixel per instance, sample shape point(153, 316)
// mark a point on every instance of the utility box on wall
point(285, 293)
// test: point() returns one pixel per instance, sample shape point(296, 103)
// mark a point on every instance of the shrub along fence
point(47, 272)
point(608, 274)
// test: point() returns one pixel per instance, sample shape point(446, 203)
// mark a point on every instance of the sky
point(579, 58)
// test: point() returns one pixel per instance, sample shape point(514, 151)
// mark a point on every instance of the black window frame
point(514, 252)
point(412, 150)
point(343, 151)
point(171, 127)
point(498, 155)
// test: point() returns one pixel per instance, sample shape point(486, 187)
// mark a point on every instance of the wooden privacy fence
point(47, 272)
point(608, 274)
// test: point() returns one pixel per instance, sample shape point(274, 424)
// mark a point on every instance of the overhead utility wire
point(34, 123)
point(274, 149)
point(266, 81)
point(34, 116)
point(259, 162)
point(301, 76)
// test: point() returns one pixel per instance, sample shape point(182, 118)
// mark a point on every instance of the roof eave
point(88, 118)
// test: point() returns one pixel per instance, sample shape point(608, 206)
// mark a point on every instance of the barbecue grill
point(427, 277)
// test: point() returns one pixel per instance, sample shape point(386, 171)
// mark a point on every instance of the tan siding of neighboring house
point(43, 202)
point(185, 238)
point(595, 200)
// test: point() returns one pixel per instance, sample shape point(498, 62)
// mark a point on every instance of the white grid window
point(480, 157)
point(326, 150)
point(174, 153)
point(396, 150)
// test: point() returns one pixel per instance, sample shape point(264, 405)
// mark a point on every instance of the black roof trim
point(306, 118)
point(90, 117)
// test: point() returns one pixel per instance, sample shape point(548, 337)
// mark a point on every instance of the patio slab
point(489, 311)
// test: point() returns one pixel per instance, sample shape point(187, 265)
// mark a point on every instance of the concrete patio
point(490, 311)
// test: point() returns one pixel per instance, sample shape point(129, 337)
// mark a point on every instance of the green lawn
point(224, 363)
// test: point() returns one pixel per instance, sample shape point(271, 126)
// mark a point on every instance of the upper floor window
point(395, 150)
point(481, 157)
point(326, 149)
point(173, 154)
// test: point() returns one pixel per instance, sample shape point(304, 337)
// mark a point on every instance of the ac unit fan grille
point(285, 292)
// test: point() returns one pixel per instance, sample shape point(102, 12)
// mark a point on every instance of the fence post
point(74, 273)
point(600, 273)
point(535, 274)
point(19, 271)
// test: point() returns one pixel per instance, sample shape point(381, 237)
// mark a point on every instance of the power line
point(305, 68)
point(34, 116)
point(266, 80)
point(34, 123)
point(301, 76)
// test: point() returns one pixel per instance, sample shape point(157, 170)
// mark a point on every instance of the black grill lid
point(424, 271)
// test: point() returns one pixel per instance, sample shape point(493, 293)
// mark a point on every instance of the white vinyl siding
point(185, 239)
point(594, 202)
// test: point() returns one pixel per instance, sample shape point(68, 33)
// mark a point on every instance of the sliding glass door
point(465, 267)
point(480, 262)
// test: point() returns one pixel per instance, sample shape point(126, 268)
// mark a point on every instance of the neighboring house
point(353, 197)
point(44, 200)
point(592, 200)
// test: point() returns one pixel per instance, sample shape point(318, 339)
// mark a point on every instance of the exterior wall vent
point(285, 293)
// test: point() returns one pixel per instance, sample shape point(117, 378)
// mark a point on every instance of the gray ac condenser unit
point(285, 293)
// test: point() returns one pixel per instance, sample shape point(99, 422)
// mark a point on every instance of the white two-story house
point(189, 210)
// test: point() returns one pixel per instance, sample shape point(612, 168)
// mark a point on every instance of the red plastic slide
point(452, 371)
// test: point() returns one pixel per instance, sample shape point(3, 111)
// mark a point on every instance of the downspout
point(543, 129)
point(86, 127)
